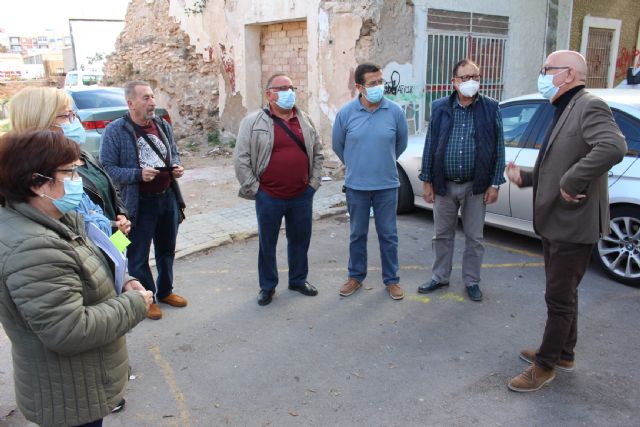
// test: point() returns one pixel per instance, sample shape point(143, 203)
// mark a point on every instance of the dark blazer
point(585, 143)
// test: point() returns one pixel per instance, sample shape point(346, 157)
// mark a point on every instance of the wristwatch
point(497, 187)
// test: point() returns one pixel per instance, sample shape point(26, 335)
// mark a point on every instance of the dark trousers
point(564, 265)
point(298, 214)
point(96, 423)
point(157, 221)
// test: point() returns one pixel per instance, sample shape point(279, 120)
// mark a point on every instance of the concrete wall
point(626, 11)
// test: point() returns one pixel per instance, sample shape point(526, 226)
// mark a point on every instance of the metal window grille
point(598, 54)
point(453, 36)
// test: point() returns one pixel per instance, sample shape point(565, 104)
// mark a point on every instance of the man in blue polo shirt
point(369, 134)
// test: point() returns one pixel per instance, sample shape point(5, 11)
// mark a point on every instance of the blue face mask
point(546, 86)
point(74, 131)
point(286, 99)
point(374, 94)
point(72, 196)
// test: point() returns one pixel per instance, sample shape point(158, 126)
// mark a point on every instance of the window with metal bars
point(453, 36)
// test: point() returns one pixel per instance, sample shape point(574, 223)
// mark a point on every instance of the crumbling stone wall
point(152, 47)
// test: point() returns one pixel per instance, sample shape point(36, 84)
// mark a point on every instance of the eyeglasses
point(468, 77)
point(73, 171)
point(282, 88)
point(374, 83)
point(69, 115)
point(545, 70)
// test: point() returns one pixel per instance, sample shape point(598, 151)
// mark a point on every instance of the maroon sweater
point(287, 174)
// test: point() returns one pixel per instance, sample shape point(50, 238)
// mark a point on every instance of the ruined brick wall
point(283, 49)
point(152, 47)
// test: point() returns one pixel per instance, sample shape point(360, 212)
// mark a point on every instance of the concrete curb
point(203, 232)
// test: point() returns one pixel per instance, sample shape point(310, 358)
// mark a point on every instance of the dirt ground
point(209, 183)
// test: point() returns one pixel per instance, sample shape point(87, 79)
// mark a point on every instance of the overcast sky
point(32, 17)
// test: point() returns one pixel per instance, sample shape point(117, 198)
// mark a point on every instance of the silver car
point(525, 120)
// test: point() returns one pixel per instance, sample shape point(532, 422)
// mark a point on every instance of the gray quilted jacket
point(66, 325)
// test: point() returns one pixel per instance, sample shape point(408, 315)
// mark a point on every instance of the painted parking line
point(184, 417)
point(376, 268)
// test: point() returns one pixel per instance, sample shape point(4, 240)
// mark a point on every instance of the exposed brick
point(292, 25)
point(294, 33)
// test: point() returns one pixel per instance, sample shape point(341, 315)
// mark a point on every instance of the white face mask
point(469, 88)
point(546, 86)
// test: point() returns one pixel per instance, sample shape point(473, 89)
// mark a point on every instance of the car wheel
point(619, 252)
point(405, 193)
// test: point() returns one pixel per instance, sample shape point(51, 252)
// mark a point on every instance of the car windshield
point(99, 98)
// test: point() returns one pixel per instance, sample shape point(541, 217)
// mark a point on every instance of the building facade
point(319, 44)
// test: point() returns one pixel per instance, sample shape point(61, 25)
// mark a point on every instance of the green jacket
point(59, 308)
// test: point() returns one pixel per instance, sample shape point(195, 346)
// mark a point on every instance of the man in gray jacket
point(278, 162)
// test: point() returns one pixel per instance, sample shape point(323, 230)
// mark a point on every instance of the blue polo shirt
point(369, 142)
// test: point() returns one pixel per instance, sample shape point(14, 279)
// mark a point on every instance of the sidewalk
point(205, 231)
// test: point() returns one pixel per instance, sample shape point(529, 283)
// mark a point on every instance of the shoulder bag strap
point(150, 143)
point(278, 121)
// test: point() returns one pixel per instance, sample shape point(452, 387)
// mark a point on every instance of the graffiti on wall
point(401, 88)
point(226, 57)
point(626, 58)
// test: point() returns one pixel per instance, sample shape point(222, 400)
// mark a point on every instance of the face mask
point(286, 99)
point(72, 196)
point(546, 86)
point(469, 88)
point(374, 94)
point(74, 130)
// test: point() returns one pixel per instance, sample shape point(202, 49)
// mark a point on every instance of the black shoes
point(305, 289)
point(265, 297)
point(431, 286)
point(475, 294)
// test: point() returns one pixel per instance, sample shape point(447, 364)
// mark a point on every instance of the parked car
point(82, 78)
point(525, 120)
point(97, 106)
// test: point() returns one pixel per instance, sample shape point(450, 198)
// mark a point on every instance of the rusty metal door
point(598, 57)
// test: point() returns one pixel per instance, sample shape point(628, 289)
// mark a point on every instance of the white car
point(525, 120)
point(82, 78)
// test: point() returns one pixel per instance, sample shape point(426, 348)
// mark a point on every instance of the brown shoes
point(395, 291)
point(532, 379)
point(174, 300)
point(529, 355)
point(154, 312)
point(350, 287)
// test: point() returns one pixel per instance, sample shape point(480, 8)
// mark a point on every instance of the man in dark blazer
point(571, 208)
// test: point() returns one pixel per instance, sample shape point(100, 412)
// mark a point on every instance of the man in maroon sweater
point(278, 162)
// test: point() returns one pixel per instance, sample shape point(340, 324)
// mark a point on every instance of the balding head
point(567, 78)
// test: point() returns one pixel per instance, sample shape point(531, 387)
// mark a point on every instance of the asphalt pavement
point(366, 360)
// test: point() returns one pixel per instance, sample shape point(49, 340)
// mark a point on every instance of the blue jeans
point(157, 221)
point(384, 204)
point(298, 215)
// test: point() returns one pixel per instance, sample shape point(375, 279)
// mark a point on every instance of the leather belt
point(459, 180)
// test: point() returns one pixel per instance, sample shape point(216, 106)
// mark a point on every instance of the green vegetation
point(196, 8)
point(213, 139)
point(192, 146)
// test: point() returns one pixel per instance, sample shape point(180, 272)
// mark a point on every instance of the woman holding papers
point(58, 303)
